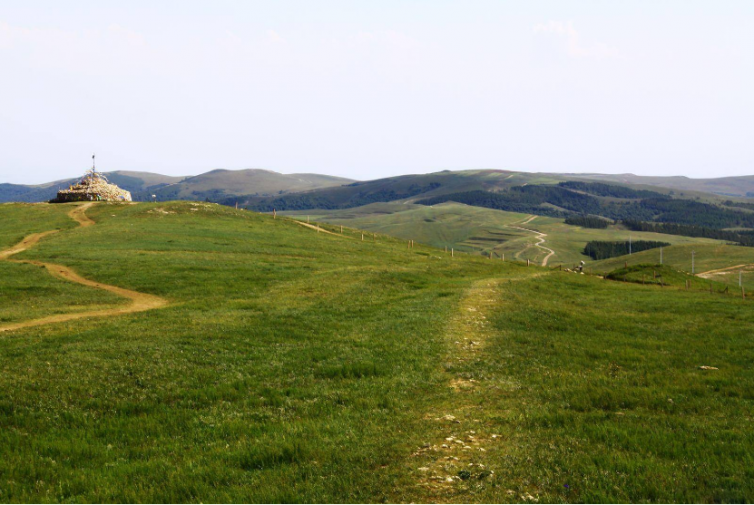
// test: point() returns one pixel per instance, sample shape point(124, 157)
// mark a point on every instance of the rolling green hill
point(293, 363)
point(484, 231)
point(219, 184)
point(742, 186)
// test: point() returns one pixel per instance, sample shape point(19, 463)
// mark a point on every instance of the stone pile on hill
point(92, 187)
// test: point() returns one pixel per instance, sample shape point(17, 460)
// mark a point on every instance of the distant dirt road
point(313, 227)
point(540, 236)
point(139, 301)
point(710, 273)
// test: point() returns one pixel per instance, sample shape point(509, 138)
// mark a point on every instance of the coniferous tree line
point(742, 237)
point(540, 199)
point(611, 190)
point(600, 250)
point(587, 221)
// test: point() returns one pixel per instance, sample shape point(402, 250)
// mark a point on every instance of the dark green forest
point(587, 221)
point(600, 250)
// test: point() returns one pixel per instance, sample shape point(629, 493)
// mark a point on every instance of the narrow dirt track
point(313, 227)
point(723, 270)
point(540, 237)
point(139, 301)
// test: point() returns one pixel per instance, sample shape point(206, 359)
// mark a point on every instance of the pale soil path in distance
point(314, 227)
point(710, 273)
point(540, 236)
point(139, 301)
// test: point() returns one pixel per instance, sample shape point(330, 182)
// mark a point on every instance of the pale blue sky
point(372, 89)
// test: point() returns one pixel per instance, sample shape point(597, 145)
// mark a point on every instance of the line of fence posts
point(560, 266)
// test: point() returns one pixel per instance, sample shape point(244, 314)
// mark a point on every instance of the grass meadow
point(304, 366)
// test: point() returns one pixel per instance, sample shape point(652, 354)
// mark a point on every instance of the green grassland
point(484, 231)
point(29, 292)
point(296, 365)
point(708, 257)
point(21, 219)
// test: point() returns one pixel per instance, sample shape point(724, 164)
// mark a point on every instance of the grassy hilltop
point(293, 364)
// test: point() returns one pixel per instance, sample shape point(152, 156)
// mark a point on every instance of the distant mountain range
point(214, 185)
point(260, 189)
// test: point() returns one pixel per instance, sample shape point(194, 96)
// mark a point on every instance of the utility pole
point(692, 262)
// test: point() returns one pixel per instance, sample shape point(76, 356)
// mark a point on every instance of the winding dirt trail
point(139, 301)
point(540, 236)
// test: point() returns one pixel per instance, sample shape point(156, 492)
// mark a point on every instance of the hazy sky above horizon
point(373, 89)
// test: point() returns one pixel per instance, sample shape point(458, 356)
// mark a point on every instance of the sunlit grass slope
point(297, 365)
point(20, 219)
point(292, 365)
point(28, 291)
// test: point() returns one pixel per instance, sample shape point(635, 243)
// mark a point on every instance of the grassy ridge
point(479, 230)
point(293, 365)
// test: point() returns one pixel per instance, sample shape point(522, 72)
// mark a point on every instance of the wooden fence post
point(452, 254)
point(362, 237)
point(527, 262)
point(274, 214)
point(341, 229)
